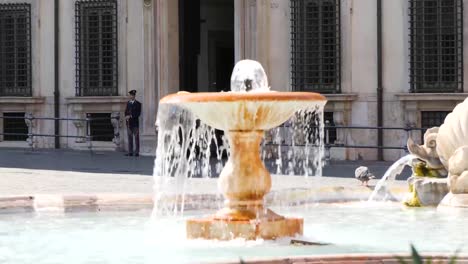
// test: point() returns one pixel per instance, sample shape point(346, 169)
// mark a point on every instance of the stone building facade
point(409, 59)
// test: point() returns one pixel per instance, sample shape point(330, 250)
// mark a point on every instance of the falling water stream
point(390, 175)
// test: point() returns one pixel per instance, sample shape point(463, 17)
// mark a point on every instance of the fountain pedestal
point(244, 182)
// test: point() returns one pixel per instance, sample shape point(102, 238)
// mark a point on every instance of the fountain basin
point(245, 111)
point(366, 229)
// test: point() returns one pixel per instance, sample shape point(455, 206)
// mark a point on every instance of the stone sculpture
point(29, 120)
point(452, 147)
point(427, 185)
point(445, 152)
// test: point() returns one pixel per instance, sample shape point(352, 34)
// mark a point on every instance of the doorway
point(206, 45)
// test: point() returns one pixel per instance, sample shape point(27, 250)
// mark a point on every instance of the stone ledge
point(130, 202)
point(16, 204)
point(341, 97)
point(72, 203)
point(96, 99)
point(432, 96)
point(355, 259)
point(22, 100)
point(459, 200)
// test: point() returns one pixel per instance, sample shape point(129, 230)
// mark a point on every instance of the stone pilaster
point(252, 31)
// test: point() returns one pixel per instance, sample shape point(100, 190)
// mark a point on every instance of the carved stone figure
point(29, 120)
point(452, 147)
point(430, 163)
point(445, 150)
point(424, 189)
point(80, 127)
point(116, 124)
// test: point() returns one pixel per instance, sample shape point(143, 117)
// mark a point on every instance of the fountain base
point(455, 200)
point(212, 228)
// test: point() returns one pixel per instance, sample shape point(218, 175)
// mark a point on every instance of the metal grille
point(100, 127)
point(436, 48)
point(315, 45)
point(431, 119)
point(15, 50)
point(14, 127)
point(96, 48)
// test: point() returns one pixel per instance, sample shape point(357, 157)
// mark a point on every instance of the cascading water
point(186, 146)
point(184, 151)
point(390, 175)
point(296, 147)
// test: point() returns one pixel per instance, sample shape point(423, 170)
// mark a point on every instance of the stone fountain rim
point(186, 97)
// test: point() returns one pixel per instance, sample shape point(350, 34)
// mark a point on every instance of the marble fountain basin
point(245, 111)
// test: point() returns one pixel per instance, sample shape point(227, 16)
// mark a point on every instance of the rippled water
point(131, 237)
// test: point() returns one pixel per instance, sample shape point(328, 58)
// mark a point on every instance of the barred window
point(96, 47)
point(100, 127)
point(315, 45)
point(436, 48)
point(15, 50)
point(14, 127)
point(431, 119)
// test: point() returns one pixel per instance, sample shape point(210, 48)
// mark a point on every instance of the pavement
point(67, 172)
point(109, 162)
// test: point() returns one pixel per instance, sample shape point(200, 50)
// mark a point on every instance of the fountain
point(445, 151)
point(115, 228)
point(244, 114)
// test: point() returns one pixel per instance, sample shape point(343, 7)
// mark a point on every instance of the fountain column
point(244, 180)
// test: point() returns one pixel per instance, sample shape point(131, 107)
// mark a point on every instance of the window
point(15, 50)
point(14, 127)
point(100, 127)
point(431, 119)
point(96, 47)
point(436, 35)
point(315, 45)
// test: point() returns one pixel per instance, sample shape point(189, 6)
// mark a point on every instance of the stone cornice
point(341, 97)
point(431, 96)
point(97, 100)
point(21, 100)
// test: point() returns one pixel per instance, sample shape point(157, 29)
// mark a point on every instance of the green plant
point(418, 259)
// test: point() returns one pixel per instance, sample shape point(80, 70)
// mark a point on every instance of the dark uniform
point(133, 110)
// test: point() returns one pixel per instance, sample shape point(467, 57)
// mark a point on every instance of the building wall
point(135, 55)
point(357, 105)
point(148, 62)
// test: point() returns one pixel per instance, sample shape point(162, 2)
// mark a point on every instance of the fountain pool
point(132, 237)
point(246, 226)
